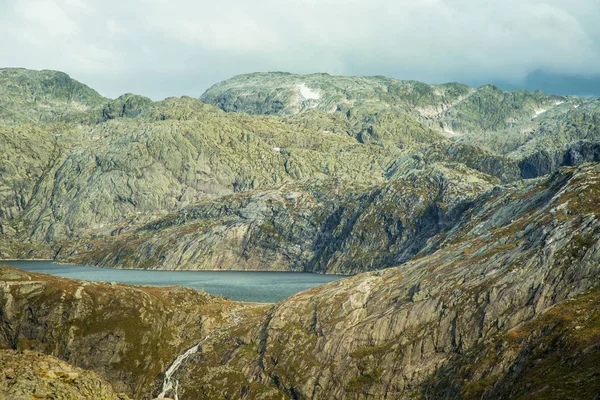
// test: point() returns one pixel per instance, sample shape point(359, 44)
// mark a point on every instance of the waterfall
point(167, 385)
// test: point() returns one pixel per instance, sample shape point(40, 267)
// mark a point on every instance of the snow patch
point(576, 105)
point(558, 103)
point(305, 93)
point(539, 112)
point(449, 131)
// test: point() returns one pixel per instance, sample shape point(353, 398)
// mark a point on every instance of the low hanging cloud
point(161, 48)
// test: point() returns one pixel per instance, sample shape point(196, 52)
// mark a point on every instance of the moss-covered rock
point(127, 335)
point(30, 375)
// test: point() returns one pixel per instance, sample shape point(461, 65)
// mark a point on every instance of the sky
point(161, 48)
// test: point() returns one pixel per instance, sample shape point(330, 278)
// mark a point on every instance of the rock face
point(29, 375)
point(127, 335)
point(517, 124)
point(472, 316)
point(319, 227)
point(544, 162)
point(554, 356)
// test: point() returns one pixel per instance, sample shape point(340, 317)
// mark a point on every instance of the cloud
point(45, 17)
point(175, 47)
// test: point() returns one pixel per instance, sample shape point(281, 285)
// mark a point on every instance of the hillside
point(468, 217)
point(41, 97)
point(503, 304)
point(327, 226)
point(518, 124)
point(508, 307)
point(27, 374)
point(126, 334)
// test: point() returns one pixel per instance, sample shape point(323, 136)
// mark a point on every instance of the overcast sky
point(162, 48)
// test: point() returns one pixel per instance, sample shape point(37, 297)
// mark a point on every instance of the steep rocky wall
point(554, 356)
point(328, 227)
point(545, 162)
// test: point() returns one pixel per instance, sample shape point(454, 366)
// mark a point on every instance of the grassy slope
point(126, 334)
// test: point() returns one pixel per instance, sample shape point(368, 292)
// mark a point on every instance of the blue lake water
point(264, 287)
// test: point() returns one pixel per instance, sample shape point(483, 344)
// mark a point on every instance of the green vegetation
point(364, 381)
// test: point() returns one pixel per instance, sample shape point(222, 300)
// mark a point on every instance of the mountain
point(126, 334)
point(505, 304)
point(183, 184)
point(468, 218)
point(518, 124)
point(456, 108)
point(42, 96)
point(320, 226)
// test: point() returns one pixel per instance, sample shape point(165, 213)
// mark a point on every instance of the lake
point(263, 287)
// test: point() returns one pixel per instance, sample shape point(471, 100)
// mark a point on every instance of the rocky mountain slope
point(29, 375)
point(182, 184)
point(503, 305)
point(323, 226)
point(482, 283)
point(39, 97)
point(512, 123)
point(128, 335)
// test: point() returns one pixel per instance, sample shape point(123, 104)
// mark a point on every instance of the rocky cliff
point(326, 226)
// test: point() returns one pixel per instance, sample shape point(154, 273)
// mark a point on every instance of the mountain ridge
point(78, 181)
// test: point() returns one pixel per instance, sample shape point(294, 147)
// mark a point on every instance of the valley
point(466, 218)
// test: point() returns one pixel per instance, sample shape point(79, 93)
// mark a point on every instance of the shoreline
point(111, 278)
point(174, 270)
point(166, 287)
